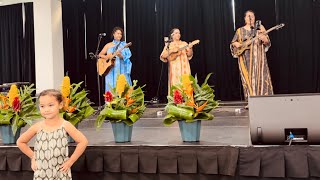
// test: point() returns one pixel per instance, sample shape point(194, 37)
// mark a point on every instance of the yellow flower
point(186, 86)
point(65, 87)
point(13, 92)
point(186, 83)
point(121, 84)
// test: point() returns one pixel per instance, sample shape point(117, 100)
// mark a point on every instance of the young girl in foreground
point(50, 160)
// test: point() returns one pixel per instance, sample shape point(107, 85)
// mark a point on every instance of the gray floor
point(227, 128)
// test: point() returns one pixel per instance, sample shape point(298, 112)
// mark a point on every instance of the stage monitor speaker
point(274, 118)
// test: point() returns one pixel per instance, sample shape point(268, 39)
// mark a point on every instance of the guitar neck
point(184, 47)
point(269, 30)
point(119, 50)
point(266, 32)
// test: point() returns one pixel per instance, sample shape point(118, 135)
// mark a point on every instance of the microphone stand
point(155, 100)
point(96, 57)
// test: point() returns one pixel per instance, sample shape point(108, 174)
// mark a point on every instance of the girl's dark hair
point(52, 92)
point(244, 15)
point(116, 29)
point(172, 30)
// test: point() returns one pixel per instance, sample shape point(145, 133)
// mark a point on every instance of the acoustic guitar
point(105, 65)
point(246, 44)
point(175, 52)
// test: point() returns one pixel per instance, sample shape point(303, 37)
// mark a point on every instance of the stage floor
point(227, 128)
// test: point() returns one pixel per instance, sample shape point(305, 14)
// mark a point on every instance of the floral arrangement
point(189, 101)
point(18, 108)
point(124, 103)
point(76, 105)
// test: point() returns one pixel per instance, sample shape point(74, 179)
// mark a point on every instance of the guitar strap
point(116, 47)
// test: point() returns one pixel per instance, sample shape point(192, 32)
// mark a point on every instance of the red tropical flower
point(16, 105)
point(108, 96)
point(177, 97)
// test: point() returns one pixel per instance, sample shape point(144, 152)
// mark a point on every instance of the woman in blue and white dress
point(122, 63)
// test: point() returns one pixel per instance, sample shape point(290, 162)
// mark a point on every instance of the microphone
point(102, 34)
point(258, 24)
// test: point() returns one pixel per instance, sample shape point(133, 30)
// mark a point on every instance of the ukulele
point(105, 65)
point(175, 52)
point(246, 44)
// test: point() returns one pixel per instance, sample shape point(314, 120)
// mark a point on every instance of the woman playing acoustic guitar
point(252, 61)
point(178, 59)
point(122, 63)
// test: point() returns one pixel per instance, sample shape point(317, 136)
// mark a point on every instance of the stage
point(157, 152)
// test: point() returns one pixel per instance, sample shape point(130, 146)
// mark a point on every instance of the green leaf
point(99, 120)
point(127, 121)
point(169, 119)
point(206, 80)
point(180, 113)
point(14, 125)
point(5, 120)
point(114, 114)
point(74, 121)
point(88, 112)
point(204, 116)
point(74, 88)
point(79, 97)
point(134, 118)
point(190, 121)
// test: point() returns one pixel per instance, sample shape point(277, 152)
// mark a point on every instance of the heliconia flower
point(200, 108)
point(133, 111)
point(108, 96)
point(130, 101)
point(66, 102)
point(3, 102)
point(129, 93)
point(121, 84)
point(71, 109)
point(16, 105)
point(65, 87)
point(13, 93)
point(177, 97)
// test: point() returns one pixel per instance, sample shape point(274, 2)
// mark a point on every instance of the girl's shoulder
point(67, 125)
point(37, 126)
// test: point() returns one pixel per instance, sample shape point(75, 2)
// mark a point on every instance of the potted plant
point(17, 109)
point(77, 105)
point(124, 106)
point(189, 103)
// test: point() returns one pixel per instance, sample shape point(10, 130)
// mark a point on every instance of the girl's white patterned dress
point(51, 151)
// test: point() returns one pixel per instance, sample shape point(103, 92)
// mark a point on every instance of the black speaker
point(279, 119)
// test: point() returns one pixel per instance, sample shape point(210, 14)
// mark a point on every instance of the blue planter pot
point(7, 135)
point(190, 132)
point(121, 132)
